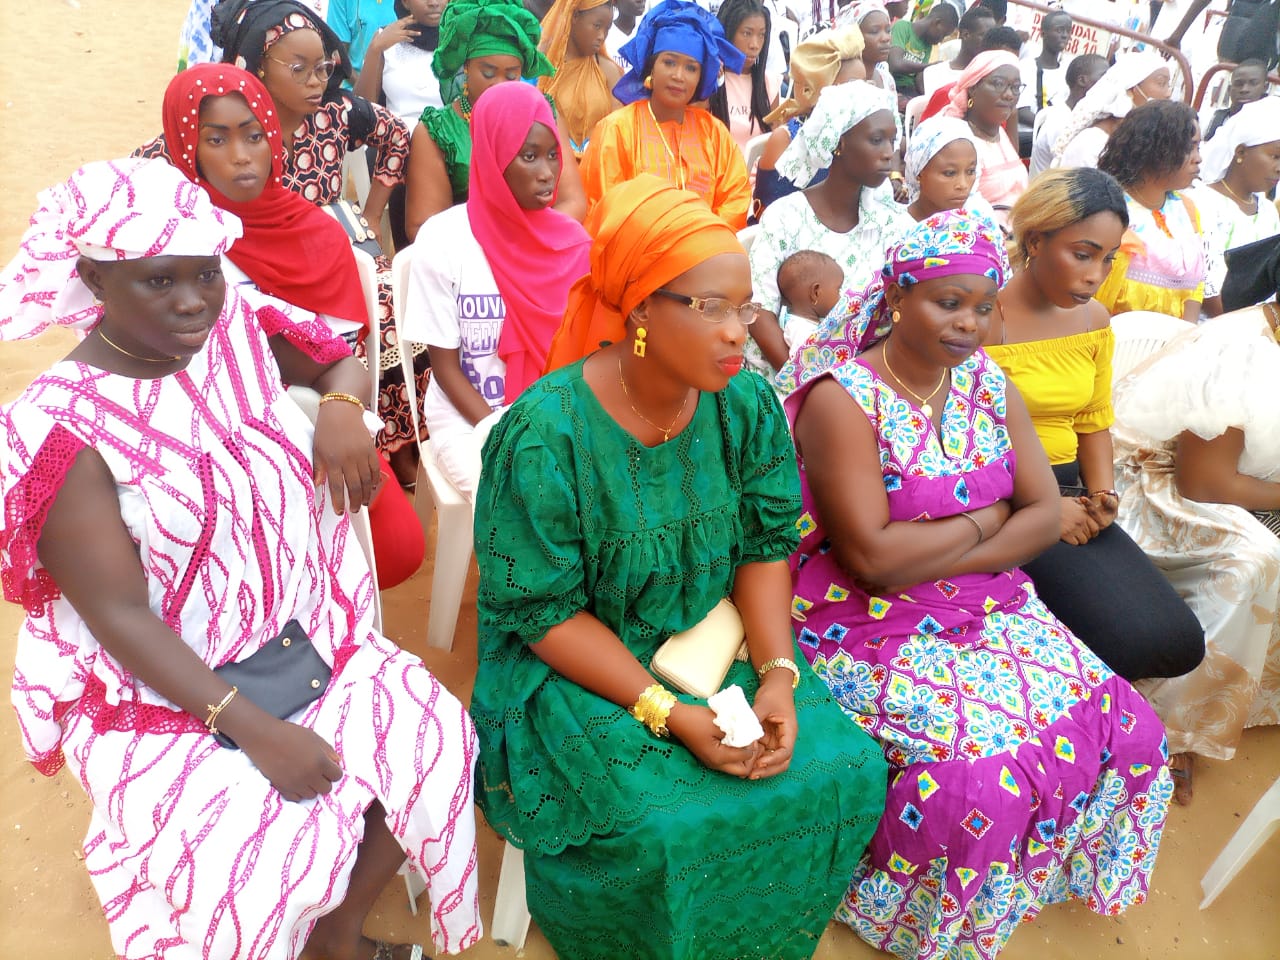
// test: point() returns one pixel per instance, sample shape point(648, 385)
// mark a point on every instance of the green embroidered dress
point(632, 847)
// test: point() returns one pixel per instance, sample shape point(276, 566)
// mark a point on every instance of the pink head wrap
point(979, 68)
point(535, 255)
point(109, 210)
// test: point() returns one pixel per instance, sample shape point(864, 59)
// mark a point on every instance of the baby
point(811, 284)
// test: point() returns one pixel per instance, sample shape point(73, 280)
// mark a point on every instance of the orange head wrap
point(645, 234)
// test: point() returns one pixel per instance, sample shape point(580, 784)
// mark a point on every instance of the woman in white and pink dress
point(163, 515)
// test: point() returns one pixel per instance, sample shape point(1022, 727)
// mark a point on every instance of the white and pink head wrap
point(108, 210)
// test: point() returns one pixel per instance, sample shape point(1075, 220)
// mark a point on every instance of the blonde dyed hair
point(1059, 198)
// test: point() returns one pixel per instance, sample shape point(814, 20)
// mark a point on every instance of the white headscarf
point(1109, 97)
point(108, 210)
point(839, 109)
point(927, 141)
point(1255, 123)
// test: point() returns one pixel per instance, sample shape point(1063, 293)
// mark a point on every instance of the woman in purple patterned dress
point(1023, 772)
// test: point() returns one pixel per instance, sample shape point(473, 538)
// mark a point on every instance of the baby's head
point(810, 284)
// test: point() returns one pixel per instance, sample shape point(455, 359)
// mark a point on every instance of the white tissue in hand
point(735, 717)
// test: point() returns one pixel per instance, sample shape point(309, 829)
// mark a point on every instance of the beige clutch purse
point(696, 660)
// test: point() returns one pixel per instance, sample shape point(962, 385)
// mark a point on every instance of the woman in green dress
point(623, 497)
point(482, 43)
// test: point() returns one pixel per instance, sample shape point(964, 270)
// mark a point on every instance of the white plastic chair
point(747, 236)
point(1139, 334)
point(911, 116)
point(454, 515)
point(753, 150)
point(1262, 822)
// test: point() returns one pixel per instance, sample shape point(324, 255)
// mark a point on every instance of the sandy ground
point(83, 81)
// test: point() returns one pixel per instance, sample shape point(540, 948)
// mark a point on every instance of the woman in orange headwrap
point(573, 34)
point(623, 497)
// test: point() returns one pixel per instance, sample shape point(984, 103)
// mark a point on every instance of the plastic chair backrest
point(747, 236)
point(367, 268)
point(753, 150)
point(1139, 334)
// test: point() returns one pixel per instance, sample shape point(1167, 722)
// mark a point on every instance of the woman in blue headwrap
point(677, 54)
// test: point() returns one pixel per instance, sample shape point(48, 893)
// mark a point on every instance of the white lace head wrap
point(108, 210)
point(839, 109)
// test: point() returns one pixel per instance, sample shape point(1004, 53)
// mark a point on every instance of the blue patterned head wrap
point(946, 244)
point(678, 26)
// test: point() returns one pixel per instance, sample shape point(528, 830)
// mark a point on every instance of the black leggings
point(1111, 596)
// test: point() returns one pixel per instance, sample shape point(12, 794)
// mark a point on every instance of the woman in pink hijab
point(985, 96)
point(490, 293)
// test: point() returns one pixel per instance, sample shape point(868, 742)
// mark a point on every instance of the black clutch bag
point(281, 678)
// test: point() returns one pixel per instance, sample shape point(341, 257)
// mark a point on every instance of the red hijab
point(291, 249)
point(535, 255)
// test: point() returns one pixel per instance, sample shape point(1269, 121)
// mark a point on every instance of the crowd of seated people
point(987, 606)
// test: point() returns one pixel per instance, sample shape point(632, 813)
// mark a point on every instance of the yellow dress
point(1161, 261)
point(1066, 384)
point(698, 154)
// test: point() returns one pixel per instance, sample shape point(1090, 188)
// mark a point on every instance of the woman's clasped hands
point(694, 726)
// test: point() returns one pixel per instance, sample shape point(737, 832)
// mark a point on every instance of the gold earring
point(1239, 159)
point(638, 348)
point(836, 151)
point(896, 316)
point(970, 103)
point(1026, 262)
point(648, 82)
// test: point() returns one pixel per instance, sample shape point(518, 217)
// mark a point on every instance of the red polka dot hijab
point(291, 249)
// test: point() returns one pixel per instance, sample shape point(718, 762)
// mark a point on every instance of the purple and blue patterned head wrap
point(946, 244)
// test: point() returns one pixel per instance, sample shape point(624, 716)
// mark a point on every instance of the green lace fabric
point(633, 847)
point(452, 135)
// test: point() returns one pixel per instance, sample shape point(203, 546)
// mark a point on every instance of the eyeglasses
point(715, 309)
point(998, 86)
point(322, 71)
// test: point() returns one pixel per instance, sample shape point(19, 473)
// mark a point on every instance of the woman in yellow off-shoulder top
point(1054, 341)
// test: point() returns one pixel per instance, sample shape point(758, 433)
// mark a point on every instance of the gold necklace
point(1239, 199)
point(666, 432)
point(925, 407)
point(672, 166)
point(115, 346)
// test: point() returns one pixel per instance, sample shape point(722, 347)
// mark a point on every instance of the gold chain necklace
point(1239, 199)
point(115, 346)
point(672, 165)
point(925, 407)
point(666, 432)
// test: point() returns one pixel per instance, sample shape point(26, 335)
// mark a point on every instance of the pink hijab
point(535, 255)
point(952, 99)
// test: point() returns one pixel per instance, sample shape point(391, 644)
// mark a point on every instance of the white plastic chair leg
point(414, 885)
point(454, 543)
point(1257, 828)
point(511, 918)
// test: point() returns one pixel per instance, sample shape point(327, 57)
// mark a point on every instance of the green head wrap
point(477, 28)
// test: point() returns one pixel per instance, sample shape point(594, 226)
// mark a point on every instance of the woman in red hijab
point(491, 294)
point(222, 131)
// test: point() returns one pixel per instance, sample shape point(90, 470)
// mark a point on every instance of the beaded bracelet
point(653, 707)
point(349, 398)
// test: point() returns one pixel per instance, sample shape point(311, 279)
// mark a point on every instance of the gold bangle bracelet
point(652, 708)
point(348, 397)
point(214, 710)
point(783, 662)
point(982, 534)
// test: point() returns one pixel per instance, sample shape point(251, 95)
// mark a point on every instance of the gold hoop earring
point(896, 316)
point(648, 82)
point(970, 103)
point(639, 346)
